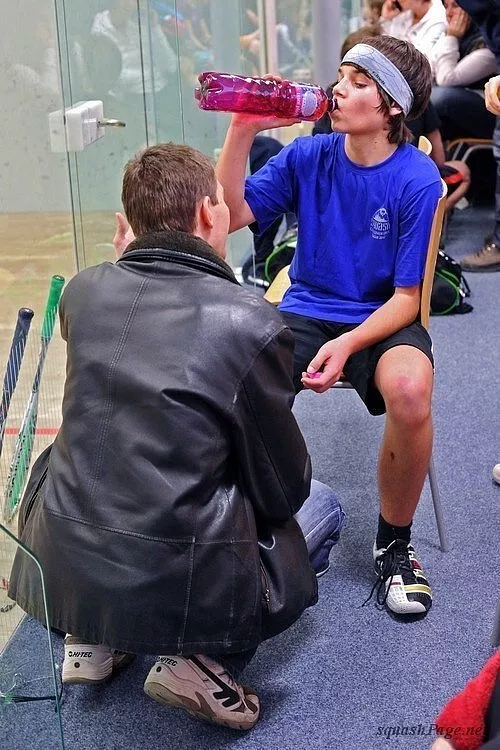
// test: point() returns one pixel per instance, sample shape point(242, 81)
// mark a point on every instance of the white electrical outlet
point(76, 127)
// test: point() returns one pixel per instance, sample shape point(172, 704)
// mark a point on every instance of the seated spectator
point(418, 21)
point(177, 441)
point(487, 16)
point(293, 43)
point(471, 719)
point(196, 19)
point(461, 64)
point(372, 10)
point(119, 24)
point(455, 173)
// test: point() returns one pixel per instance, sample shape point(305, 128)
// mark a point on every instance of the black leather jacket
point(177, 434)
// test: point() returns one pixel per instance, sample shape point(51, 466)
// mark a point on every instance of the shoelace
point(394, 561)
point(224, 674)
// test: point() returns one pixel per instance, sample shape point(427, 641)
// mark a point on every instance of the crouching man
point(177, 446)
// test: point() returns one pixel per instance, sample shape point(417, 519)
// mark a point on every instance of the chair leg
point(444, 230)
point(438, 510)
point(496, 630)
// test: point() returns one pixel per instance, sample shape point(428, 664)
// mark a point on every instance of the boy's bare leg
point(404, 377)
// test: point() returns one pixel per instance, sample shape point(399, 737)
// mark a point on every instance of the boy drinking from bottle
point(365, 201)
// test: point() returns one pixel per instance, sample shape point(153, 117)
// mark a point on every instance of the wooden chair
point(424, 145)
point(281, 283)
point(462, 148)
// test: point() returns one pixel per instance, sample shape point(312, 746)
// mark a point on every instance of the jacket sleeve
point(275, 468)
point(450, 70)
point(63, 318)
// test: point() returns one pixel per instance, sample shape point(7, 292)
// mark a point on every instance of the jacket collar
point(178, 247)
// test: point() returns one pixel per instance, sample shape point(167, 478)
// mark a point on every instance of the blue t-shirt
point(362, 231)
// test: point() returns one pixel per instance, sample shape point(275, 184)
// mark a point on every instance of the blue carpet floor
point(346, 676)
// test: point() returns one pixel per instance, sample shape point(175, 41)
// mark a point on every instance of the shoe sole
point(161, 694)
point(415, 610)
point(72, 676)
point(323, 572)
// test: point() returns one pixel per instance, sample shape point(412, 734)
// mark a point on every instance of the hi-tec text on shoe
point(166, 660)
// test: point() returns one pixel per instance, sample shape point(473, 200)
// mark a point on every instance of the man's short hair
point(415, 68)
point(163, 185)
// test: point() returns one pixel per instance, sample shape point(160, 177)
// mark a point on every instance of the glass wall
point(142, 60)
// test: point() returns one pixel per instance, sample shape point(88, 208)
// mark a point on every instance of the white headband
point(383, 71)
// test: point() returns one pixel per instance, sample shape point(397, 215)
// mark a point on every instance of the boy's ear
point(395, 109)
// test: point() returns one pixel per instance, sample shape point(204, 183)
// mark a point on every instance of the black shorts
point(310, 334)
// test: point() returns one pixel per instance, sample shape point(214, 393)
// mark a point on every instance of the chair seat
point(278, 287)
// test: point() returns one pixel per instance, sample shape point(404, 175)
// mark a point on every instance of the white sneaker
point(401, 583)
point(89, 663)
point(204, 689)
point(496, 473)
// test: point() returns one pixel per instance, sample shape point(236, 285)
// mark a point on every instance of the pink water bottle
point(225, 92)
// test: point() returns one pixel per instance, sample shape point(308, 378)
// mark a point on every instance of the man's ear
point(206, 212)
point(123, 235)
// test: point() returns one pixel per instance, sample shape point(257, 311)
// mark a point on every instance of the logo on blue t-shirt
point(380, 224)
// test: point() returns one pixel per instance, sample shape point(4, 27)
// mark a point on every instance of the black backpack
point(281, 255)
point(449, 288)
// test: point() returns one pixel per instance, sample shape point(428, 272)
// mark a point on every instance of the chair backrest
point(430, 262)
point(424, 145)
point(462, 148)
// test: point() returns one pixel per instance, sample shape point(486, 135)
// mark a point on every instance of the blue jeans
point(496, 153)
point(321, 519)
point(462, 113)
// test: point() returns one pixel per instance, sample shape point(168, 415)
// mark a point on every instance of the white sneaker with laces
point(401, 583)
point(496, 473)
point(204, 689)
point(90, 663)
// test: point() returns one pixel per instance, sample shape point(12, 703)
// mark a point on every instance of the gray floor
point(346, 676)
